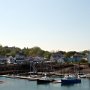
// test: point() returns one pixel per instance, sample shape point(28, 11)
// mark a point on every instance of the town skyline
point(52, 51)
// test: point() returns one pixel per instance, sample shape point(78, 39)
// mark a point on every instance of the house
point(10, 60)
point(38, 59)
point(67, 59)
point(7, 60)
point(55, 57)
point(3, 60)
point(77, 58)
point(88, 57)
point(29, 58)
point(19, 58)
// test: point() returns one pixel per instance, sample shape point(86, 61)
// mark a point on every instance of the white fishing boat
point(82, 75)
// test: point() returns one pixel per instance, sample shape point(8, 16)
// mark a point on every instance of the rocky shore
point(57, 69)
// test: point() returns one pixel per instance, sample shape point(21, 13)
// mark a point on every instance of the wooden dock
point(21, 77)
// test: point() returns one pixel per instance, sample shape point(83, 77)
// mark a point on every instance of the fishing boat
point(44, 80)
point(70, 79)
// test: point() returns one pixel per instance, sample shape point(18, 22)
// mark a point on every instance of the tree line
point(36, 51)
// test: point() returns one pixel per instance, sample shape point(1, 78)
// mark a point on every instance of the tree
point(69, 54)
point(36, 51)
point(47, 54)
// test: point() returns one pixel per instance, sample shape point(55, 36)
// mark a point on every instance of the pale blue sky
point(49, 24)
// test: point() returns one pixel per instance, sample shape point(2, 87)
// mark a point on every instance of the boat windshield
point(70, 77)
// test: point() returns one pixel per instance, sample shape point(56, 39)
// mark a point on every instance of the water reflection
point(68, 85)
point(18, 84)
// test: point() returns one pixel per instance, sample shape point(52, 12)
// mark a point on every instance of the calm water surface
point(17, 84)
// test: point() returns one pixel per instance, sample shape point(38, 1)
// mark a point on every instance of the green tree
point(47, 55)
point(71, 53)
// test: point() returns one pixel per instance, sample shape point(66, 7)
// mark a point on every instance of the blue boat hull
point(66, 81)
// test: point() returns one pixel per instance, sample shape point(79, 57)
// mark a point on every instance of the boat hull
point(63, 81)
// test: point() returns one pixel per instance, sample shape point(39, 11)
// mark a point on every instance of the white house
point(10, 60)
point(57, 58)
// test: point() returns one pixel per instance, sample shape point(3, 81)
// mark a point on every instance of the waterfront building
point(20, 58)
point(3, 60)
point(59, 58)
point(38, 59)
point(77, 57)
point(7, 60)
point(88, 57)
point(10, 60)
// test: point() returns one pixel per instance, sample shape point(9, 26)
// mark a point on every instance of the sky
point(48, 24)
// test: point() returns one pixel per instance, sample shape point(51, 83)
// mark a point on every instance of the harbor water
point(19, 84)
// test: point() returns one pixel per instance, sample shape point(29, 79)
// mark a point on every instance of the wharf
point(21, 77)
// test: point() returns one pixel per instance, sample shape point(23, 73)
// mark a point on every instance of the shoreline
point(38, 76)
